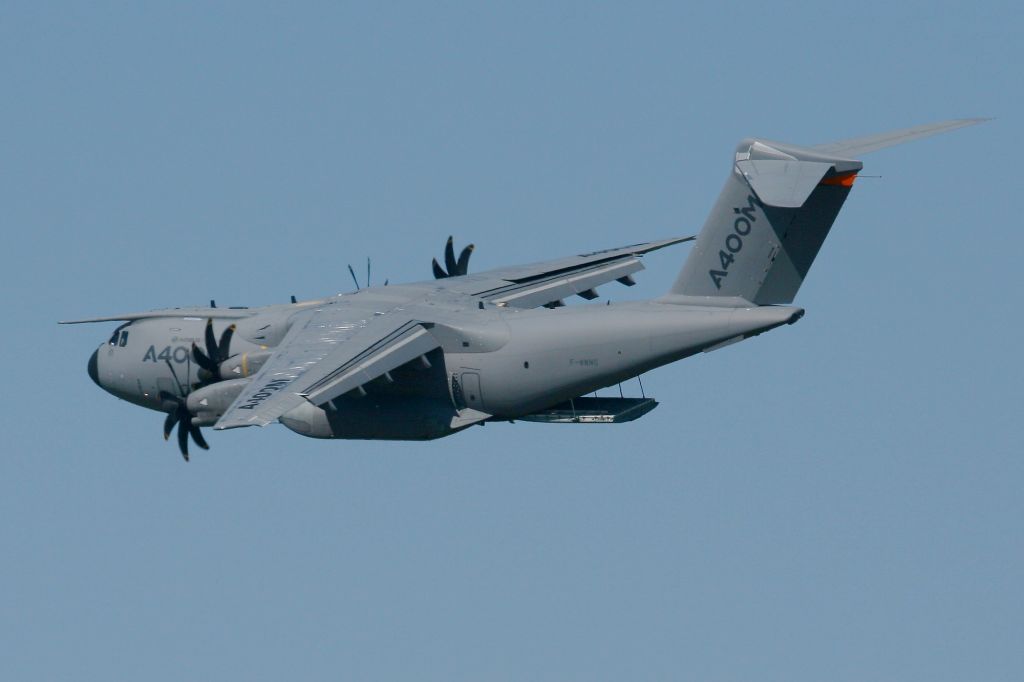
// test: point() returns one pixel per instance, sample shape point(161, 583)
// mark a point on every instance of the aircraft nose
point(94, 373)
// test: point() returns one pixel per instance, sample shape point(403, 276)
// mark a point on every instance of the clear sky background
point(840, 499)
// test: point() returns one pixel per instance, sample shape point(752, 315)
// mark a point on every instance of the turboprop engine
point(242, 365)
point(207, 404)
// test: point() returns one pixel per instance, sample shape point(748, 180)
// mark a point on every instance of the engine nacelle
point(243, 364)
point(207, 404)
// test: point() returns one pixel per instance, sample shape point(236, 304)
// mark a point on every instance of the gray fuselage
point(501, 361)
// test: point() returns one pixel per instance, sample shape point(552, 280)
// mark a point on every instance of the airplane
point(429, 359)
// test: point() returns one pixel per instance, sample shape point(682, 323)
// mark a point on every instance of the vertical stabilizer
point(768, 224)
point(773, 215)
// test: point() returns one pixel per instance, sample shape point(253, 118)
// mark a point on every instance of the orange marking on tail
point(842, 180)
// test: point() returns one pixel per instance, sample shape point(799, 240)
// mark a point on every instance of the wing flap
point(537, 292)
point(536, 284)
point(405, 344)
point(523, 273)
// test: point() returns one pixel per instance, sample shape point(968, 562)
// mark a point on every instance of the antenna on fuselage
point(369, 275)
point(355, 279)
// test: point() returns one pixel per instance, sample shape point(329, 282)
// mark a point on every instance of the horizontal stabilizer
point(870, 143)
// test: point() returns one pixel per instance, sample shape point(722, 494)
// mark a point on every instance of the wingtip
point(648, 247)
point(679, 240)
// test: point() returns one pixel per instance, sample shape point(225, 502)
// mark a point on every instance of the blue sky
point(839, 499)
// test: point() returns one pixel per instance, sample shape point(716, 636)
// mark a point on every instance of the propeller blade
point(181, 416)
point(181, 387)
point(197, 436)
point(211, 340)
point(168, 397)
point(183, 439)
point(462, 267)
point(202, 360)
point(225, 343)
point(353, 273)
point(439, 272)
point(449, 258)
point(169, 423)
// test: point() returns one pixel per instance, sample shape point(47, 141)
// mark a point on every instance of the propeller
point(181, 417)
point(455, 268)
point(179, 414)
point(216, 353)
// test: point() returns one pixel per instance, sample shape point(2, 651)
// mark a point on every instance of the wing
point(529, 286)
point(326, 353)
point(200, 312)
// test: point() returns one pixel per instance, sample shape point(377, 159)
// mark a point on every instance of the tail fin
point(773, 216)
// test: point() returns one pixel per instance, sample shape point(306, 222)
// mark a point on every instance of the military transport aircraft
point(424, 360)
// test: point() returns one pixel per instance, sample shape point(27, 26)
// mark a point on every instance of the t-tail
point(773, 215)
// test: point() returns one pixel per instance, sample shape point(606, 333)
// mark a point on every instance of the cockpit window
point(120, 336)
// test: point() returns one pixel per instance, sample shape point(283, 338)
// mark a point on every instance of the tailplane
point(773, 215)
